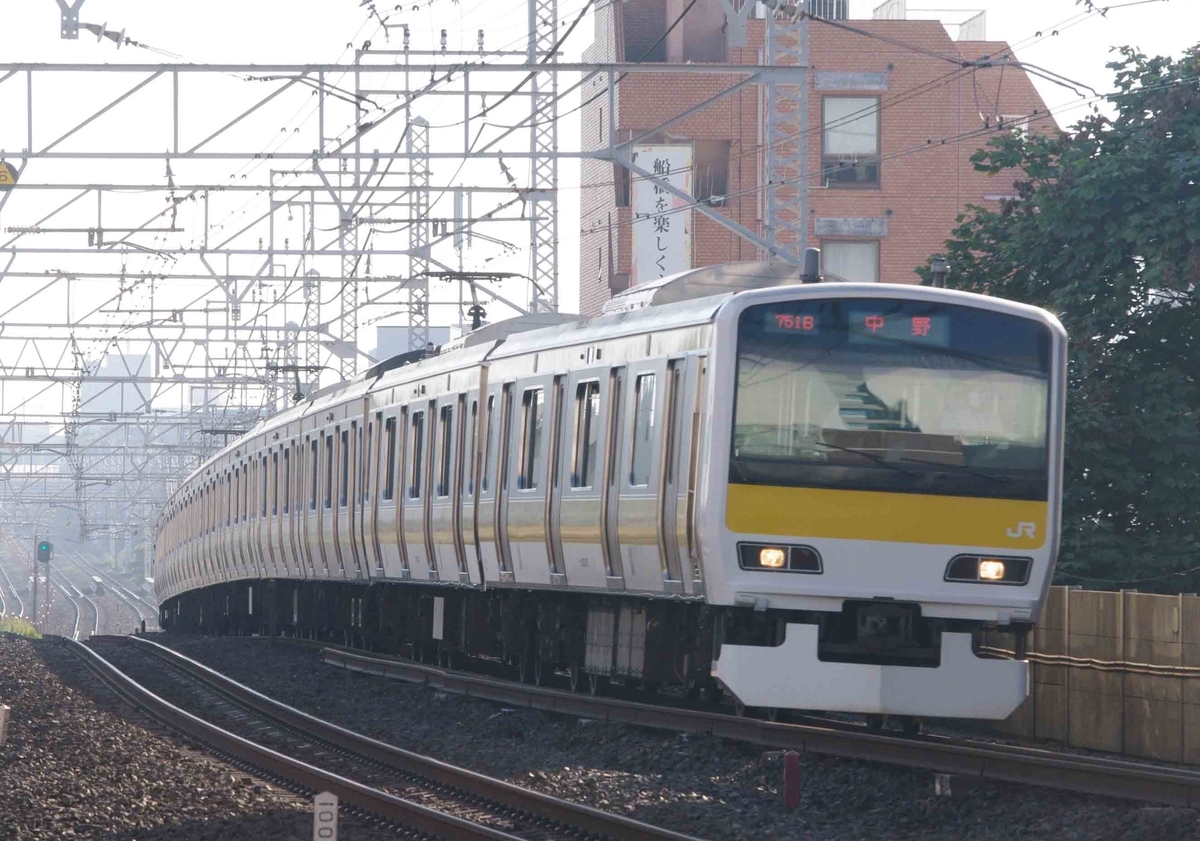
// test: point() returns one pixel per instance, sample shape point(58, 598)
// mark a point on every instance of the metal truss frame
point(137, 336)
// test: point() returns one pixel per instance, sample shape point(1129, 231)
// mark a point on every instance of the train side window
point(287, 478)
point(445, 442)
point(312, 502)
point(275, 484)
point(263, 483)
point(389, 482)
point(532, 417)
point(365, 450)
point(328, 471)
point(469, 451)
point(645, 421)
point(487, 444)
point(254, 480)
point(587, 433)
point(418, 455)
point(344, 457)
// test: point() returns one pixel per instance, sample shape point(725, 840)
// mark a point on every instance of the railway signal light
point(45, 550)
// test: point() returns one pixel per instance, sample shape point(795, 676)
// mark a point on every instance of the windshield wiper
point(866, 455)
point(962, 468)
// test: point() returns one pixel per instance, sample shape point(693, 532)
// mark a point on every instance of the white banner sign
point(662, 231)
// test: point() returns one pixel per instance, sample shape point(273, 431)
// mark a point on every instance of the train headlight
point(982, 569)
point(767, 558)
point(991, 569)
point(772, 557)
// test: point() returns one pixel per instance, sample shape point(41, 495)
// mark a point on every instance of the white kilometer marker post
point(325, 808)
point(3, 724)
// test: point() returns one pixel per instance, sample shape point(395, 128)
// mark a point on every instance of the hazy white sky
point(263, 31)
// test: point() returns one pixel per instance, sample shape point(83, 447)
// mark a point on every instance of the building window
point(710, 182)
point(850, 260)
point(850, 141)
point(644, 424)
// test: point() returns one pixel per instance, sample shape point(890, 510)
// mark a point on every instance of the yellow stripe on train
point(877, 515)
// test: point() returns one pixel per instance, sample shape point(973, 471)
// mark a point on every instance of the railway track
point(13, 590)
point(412, 790)
point(52, 581)
point(145, 610)
point(970, 758)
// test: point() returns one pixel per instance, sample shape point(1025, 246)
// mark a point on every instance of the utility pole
point(36, 543)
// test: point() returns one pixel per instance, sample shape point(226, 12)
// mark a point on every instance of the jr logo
point(1022, 530)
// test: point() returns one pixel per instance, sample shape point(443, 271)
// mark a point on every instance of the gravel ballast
point(712, 788)
point(79, 763)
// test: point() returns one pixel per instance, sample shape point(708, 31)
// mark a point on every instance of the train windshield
point(879, 394)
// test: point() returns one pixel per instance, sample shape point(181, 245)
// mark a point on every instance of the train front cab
point(885, 486)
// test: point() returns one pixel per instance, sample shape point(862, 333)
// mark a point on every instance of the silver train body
point(813, 496)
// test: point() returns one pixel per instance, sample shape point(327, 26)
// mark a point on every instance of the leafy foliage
point(1104, 231)
point(18, 626)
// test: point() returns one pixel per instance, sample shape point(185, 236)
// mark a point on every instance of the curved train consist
point(814, 495)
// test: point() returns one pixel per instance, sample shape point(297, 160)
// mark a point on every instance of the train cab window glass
point(587, 434)
point(275, 484)
point(645, 423)
point(344, 457)
point(287, 479)
point(532, 418)
point(469, 451)
point(314, 484)
point(263, 485)
point(882, 394)
point(328, 471)
point(389, 480)
point(488, 460)
point(445, 448)
point(418, 455)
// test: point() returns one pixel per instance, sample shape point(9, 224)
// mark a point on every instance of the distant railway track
point(144, 609)
point(52, 581)
point(970, 758)
point(13, 590)
point(72, 592)
point(425, 794)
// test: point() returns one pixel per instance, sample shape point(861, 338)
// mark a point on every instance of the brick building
point(893, 120)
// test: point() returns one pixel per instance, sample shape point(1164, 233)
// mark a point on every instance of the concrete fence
point(1142, 710)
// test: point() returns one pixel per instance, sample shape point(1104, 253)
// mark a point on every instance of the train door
point(468, 480)
point(581, 499)
point(308, 509)
point(443, 518)
point(293, 484)
point(611, 498)
point(339, 518)
point(235, 530)
point(368, 463)
point(525, 493)
point(369, 521)
point(271, 518)
point(554, 486)
point(325, 504)
point(671, 523)
point(640, 482)
point(388, 495)
point(403, 449)
point(487, 494)
point(416, 491)
point(503, 458)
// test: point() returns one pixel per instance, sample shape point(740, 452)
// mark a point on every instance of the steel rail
point(380, 803)
point(968, 758)
point(79, 594)
point(74, 604)
point(574, 815)
point(20, 601)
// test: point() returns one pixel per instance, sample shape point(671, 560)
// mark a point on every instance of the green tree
point(1104, 231)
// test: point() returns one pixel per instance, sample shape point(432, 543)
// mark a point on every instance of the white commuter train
point(814, 495)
